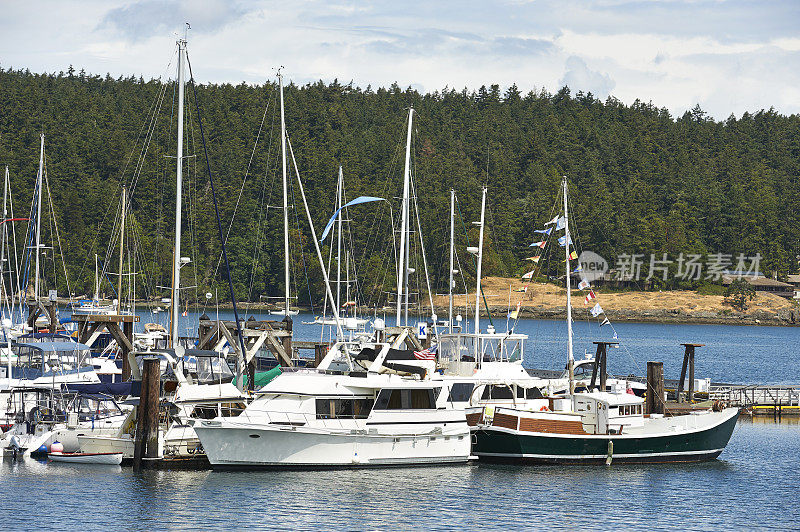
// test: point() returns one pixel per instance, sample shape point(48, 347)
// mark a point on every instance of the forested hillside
point(642, 180)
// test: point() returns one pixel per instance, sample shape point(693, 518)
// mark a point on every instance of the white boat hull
point(106, 444)
point(239, 445)
point(87, 458)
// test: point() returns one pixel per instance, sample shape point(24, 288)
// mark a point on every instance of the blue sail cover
point(358, 200)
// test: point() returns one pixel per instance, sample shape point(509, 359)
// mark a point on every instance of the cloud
point(579, 77)
point(730, 56)
point(146, 18)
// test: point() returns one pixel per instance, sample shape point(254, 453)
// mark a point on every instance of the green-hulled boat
point(595, 425)
point(598, 427)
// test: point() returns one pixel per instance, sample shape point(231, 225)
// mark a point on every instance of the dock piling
point(146, 443)
point(655, 388)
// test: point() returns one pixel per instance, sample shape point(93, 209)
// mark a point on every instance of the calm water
point(733, 354)
point(752, 485)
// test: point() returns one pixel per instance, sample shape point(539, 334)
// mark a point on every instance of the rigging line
point(474, 260)
point(422, 249)
point(58, 236)
point(263, 214)
point(467, 306)
point(302, 255)
point(246, 173)
point(156, 105)
point(216, 211)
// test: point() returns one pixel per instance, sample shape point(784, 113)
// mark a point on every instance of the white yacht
point(324, 418)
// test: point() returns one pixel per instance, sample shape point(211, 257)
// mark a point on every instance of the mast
point(571, 359)
point(96, 280)
point(339, 243)
point(121, 250)
point(452, 244)
point(39, 217)
point(402, 265)
point(478, 281)
point(3, 290)
point(176, 264)
point(285, 202)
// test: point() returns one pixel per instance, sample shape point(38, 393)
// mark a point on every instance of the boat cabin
point(456, 352)
point(608, 413)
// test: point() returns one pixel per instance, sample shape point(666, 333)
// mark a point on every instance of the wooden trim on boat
point(474, 419)
point(555, 426)
point(505, 421)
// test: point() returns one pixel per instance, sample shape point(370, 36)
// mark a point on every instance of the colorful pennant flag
point(561, 223)
point(584, 284)
point(572, 256)
point(579, 269)
point(534, 259)
point(562, 241)
point(528, 275)
point(524, 289)
point(605, 322)
point(553, 221)
point(541, 244)
point(515, 313)
point(590, 296)
point(544, 231)
point(596, 310)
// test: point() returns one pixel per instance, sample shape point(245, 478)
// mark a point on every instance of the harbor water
point(752, 485)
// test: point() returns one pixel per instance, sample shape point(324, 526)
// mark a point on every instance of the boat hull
point(87, 458)
point(498, 444)
point(240, 446)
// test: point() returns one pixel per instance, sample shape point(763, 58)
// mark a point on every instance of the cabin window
point(497, 391)
point(396, 399)
point(534, 393)
point(461, 392)
point(343, 408)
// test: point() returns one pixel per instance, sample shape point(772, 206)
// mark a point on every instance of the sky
point(728, 56)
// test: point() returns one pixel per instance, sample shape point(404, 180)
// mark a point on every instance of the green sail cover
point(263, 377)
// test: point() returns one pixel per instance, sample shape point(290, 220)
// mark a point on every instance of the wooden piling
point(655, 388)
point(287, 340)
point(688, 363)
point(320, 350)
point(146, 443)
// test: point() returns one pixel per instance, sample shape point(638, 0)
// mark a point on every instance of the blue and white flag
point(553, 221)
point(544, 231)
point(578, 269)
point(596, 310)
point(562, 241)
point(358, 200)
point(561, 223)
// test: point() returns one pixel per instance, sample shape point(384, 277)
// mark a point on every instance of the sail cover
point(360, 199)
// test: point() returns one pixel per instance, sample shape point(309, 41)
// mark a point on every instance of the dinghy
point(87, 458)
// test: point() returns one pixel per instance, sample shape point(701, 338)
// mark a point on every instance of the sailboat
point(595, 426)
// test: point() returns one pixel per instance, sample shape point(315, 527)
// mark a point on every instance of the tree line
point(642, 181)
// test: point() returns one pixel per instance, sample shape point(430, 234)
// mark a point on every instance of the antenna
point(186, 30)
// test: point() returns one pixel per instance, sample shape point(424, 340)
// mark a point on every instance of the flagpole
point(571, 359)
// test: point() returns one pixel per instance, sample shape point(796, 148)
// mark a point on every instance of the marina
point(290, 302)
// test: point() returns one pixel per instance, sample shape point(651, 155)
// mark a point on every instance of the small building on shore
point(762, 284)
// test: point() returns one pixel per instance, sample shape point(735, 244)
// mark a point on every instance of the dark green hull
point(504, 445)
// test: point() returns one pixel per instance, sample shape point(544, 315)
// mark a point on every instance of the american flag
point(426, 354)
